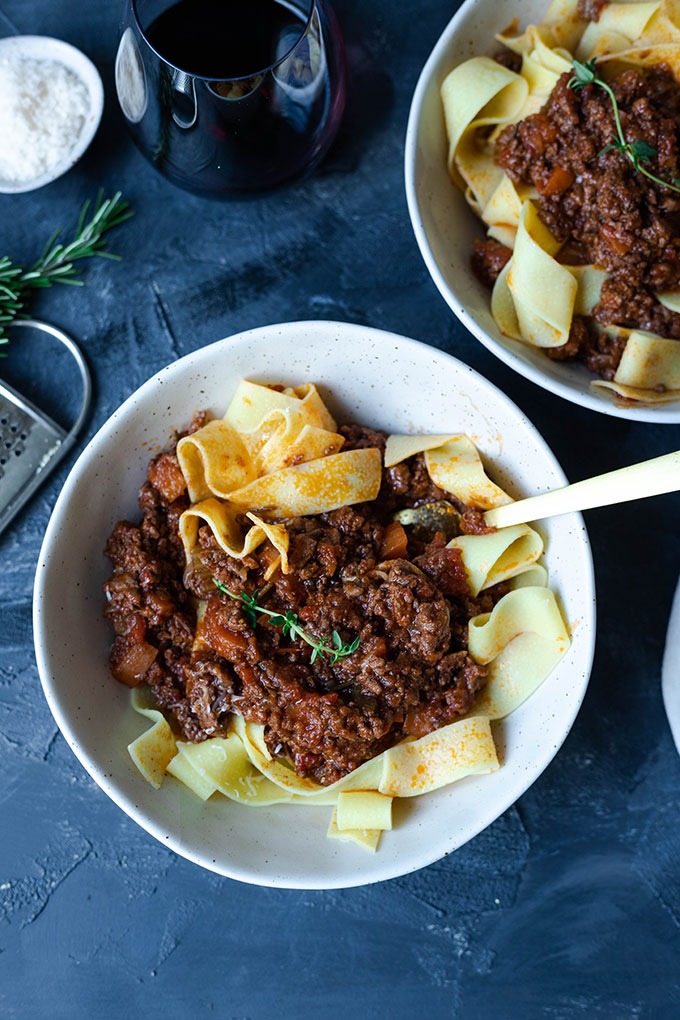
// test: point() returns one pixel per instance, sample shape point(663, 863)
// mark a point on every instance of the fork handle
point(650, 478)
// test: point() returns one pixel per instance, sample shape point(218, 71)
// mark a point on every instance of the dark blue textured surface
point(569, 905)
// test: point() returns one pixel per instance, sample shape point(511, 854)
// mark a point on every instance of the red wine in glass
point(231, 96)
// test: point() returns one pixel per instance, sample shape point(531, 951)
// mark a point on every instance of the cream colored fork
point(650, 478)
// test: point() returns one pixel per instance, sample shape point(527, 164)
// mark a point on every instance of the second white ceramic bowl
point(445, 227)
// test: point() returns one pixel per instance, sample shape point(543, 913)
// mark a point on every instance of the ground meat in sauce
point(353, 571)
point(607, 212)
point(489, 258)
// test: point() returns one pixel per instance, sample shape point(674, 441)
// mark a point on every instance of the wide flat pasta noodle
point(252, 403)
point(182, 769)
point(275, 451)
point(526, 310)
point(613, 39)
point(649, 369)
point(526, 610)
point(457, 468)
point(154, 749)
point(279, 538)
point(224, 764)
point(263, 430)
point(543, 291)
point(644, 56)
point(544, 59)
point(502, 212)
point(413, 767)
point(363, 809)
point(534, 576)
point(214, 460)
point(523, 639)
point(589, 280)
point(649, 361)
point(503, 306)
point(516, 673)
point(670, 299)
point(499, 555)
point(541, 66)
point(562, 26)
point(367, 839)
point(476, 94)
point(588, 284)
point(640, 396)
point(286, 437)
point(399, 448)
point(352, 476)
point(223, 520)
point(465, 747)
point(309, 443)
point(622, 24)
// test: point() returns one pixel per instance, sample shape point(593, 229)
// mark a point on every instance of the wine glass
point(226, 97)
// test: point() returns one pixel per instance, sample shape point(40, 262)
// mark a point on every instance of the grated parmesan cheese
point(43, 109)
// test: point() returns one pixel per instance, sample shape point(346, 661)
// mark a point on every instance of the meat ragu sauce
point(353, 570)
point(608, 213)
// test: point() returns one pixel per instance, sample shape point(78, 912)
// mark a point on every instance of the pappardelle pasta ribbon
point(275, 453)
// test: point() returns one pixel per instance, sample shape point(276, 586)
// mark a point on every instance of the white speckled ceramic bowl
point(41, 47)
point(445, 227)
point(367, 376)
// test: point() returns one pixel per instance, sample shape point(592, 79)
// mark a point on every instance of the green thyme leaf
point(584, 74)
point(612, 145)
point(289, 623)
point(643, 151)
point(638, 152)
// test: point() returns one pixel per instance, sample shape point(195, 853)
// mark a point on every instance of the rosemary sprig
point(56, 263)
point(290, 626)
point(638, 152)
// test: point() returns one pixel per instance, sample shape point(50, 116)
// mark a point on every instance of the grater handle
point(28, 489)
point(85, 377)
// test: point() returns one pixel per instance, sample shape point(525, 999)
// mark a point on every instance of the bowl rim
point(604, 402)
point(45, 47)
point(106, 780)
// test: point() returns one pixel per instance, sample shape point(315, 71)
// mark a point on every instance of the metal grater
point(29, 441)
point(31, 444)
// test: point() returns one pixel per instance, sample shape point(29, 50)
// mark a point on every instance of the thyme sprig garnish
point(56, 263)
point(290, 626)
point(638, 152)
